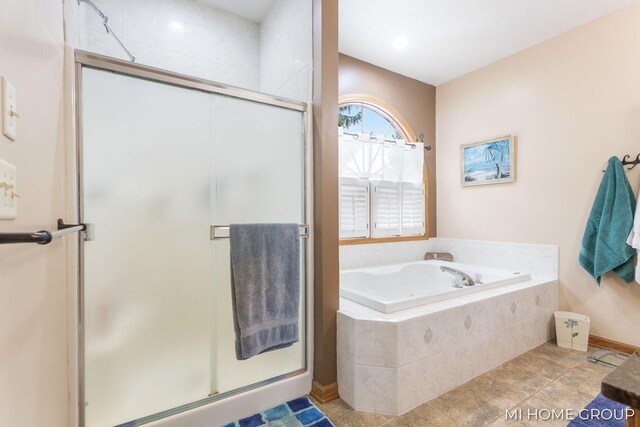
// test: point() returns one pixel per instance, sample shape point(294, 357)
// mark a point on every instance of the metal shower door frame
point(84, 59)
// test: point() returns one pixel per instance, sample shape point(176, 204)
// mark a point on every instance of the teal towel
point(604, 244)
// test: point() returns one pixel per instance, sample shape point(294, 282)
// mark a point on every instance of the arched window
point(382, 175)
point(371, 119)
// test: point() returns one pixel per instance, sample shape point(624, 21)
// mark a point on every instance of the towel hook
point(633, 163)
point(625, 161)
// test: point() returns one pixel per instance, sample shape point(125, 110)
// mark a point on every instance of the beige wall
point(572, 102)
point(414, 100)
point(33, 291)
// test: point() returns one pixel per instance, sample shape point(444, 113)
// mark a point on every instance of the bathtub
point(398, 287)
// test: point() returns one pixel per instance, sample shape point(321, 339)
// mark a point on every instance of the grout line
point(386, 422)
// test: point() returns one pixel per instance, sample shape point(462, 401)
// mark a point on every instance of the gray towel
point(265, 280)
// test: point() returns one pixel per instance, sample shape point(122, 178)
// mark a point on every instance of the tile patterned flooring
point(546, 377)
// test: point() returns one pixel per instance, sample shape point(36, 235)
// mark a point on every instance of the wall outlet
point(9, 110)
point(8, 191)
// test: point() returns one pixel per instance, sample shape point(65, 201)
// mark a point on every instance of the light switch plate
point(8, 186)
point(9, 120)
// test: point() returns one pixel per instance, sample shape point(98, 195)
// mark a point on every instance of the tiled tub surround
point(390, 363)
point(539, 260)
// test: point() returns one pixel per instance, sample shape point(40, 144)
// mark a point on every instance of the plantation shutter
point(354, 207)
point(412, 208)
point(385, 208)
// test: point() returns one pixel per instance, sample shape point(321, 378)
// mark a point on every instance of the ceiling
point(254, 10)
point(449, 38)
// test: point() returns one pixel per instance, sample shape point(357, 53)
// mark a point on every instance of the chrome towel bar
point(42, 237)
point(222, 231)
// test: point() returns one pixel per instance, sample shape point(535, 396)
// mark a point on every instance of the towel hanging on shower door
point(265, 280)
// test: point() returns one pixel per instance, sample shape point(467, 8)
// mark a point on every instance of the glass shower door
point(147, 273)
point(258, 177)
point(160, 165)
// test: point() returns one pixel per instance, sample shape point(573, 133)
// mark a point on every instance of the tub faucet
point(464, 277)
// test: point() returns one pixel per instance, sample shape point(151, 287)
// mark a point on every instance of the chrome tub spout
point(464, 277)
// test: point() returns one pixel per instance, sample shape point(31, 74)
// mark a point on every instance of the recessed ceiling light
point(400, 43)
point(176, 26)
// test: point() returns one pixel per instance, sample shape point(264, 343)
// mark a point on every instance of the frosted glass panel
point(258, 177)
point(148, 272)
point(160, 165)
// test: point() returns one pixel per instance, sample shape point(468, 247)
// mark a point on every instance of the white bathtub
point(398, 287)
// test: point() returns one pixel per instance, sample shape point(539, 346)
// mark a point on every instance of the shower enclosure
point(162, 158)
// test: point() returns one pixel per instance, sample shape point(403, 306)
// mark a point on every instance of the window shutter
point(354, 207)
point(385, 208)
point(412, 197)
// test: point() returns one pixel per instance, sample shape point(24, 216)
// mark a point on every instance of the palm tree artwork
point(488, 162)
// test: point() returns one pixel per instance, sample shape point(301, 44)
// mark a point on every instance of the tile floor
point(546, 377)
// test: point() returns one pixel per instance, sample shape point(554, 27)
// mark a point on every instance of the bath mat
point(601, 412)
point(299, 412)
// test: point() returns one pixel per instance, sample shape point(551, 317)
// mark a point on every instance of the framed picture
point(488, 162)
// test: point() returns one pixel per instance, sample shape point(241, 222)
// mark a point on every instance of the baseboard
point(324, 393)
point(607, 343)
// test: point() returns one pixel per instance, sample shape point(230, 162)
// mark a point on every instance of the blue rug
point(299, 412)
point(601, 412)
